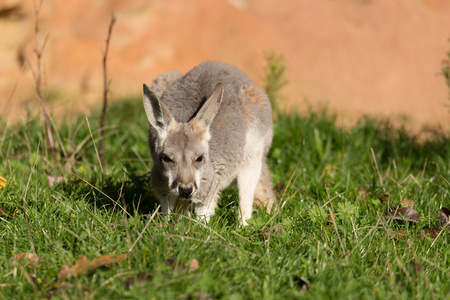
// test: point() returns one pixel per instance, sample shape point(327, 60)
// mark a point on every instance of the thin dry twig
point(91, 235)
point(62, 202)
point(75, 235)
point(208, 241)
point(335, 228)
point(118, 275)
point(143, 230)
point(278, 206)
point(96, 151)
point(436, 266)
point(378, 170)
point(354, 229)
point(11, 95)
point(125, 220)
point(434, 241)
point(38, 82)
point(199, 223)
point(387, 233)
point(72, 159)
point(371, 238)
point(33, 169)
point(292, 177)
point(101, 192)
point(28, 278)
point(242, 237)
point(105, 88)
point(120, 197)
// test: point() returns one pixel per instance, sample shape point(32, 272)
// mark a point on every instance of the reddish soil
point(356, 57)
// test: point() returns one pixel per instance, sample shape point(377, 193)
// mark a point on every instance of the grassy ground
point(55, 239)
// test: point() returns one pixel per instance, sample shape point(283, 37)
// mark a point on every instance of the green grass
point(317, 168)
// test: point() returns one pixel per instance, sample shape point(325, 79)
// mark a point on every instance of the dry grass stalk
point(105, 89)
point(38, 82)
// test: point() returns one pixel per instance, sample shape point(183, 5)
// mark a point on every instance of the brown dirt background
point(356, 57)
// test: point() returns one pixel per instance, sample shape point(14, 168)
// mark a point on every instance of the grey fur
point(209, 129)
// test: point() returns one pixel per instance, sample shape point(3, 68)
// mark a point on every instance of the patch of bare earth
point(356, 57)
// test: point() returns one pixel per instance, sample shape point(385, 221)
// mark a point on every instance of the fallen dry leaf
point(128, 282)
point(302, 284)
point(31, 259)
point(54, 180)
point(415, 267)
point(279, 186)
point(383, 198)
point(64, 272)
point(431, 232)
point(51, 293)
point(172, 262)
point(405, 214)
point(331, 218)
point(3, 212)
point(408, 203)
point(201, 295)
point(363, 195)
point(141, 277)
point(347, 253)
point(396, 234)
point(56, 289)
point(444, 216)
point(82, 265)
point(193, 265)
point(269, 231)
point(106, 260)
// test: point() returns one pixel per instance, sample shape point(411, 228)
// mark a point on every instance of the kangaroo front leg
point(247, 181)
point(167, 205)
point(206, 209)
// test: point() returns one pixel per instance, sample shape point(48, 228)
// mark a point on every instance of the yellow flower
point(2, 182)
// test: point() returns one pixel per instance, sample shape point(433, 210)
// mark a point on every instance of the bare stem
point(38, 82)
point(105, 89)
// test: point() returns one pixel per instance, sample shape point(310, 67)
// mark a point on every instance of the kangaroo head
point(180, 151)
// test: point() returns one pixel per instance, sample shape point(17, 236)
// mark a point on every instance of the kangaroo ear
point(210, 108)
point(158, 114)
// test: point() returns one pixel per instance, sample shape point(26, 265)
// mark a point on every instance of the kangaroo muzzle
point(185, 190)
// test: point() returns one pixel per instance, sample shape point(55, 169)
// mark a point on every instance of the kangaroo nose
point(185, 191)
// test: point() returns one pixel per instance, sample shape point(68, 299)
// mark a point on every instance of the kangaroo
point(209, 129)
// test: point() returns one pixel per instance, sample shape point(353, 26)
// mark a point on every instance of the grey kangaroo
point(209, 129)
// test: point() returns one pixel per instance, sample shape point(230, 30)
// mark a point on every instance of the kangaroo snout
point(186, 190)
point(184, 184)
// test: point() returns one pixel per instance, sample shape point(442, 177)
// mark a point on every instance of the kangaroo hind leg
point(264, 195)
point(247, 182)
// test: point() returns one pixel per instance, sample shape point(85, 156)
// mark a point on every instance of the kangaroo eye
point(166, 159)
point(200, 158)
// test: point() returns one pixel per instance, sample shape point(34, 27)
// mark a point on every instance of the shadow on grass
point(131, 193)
